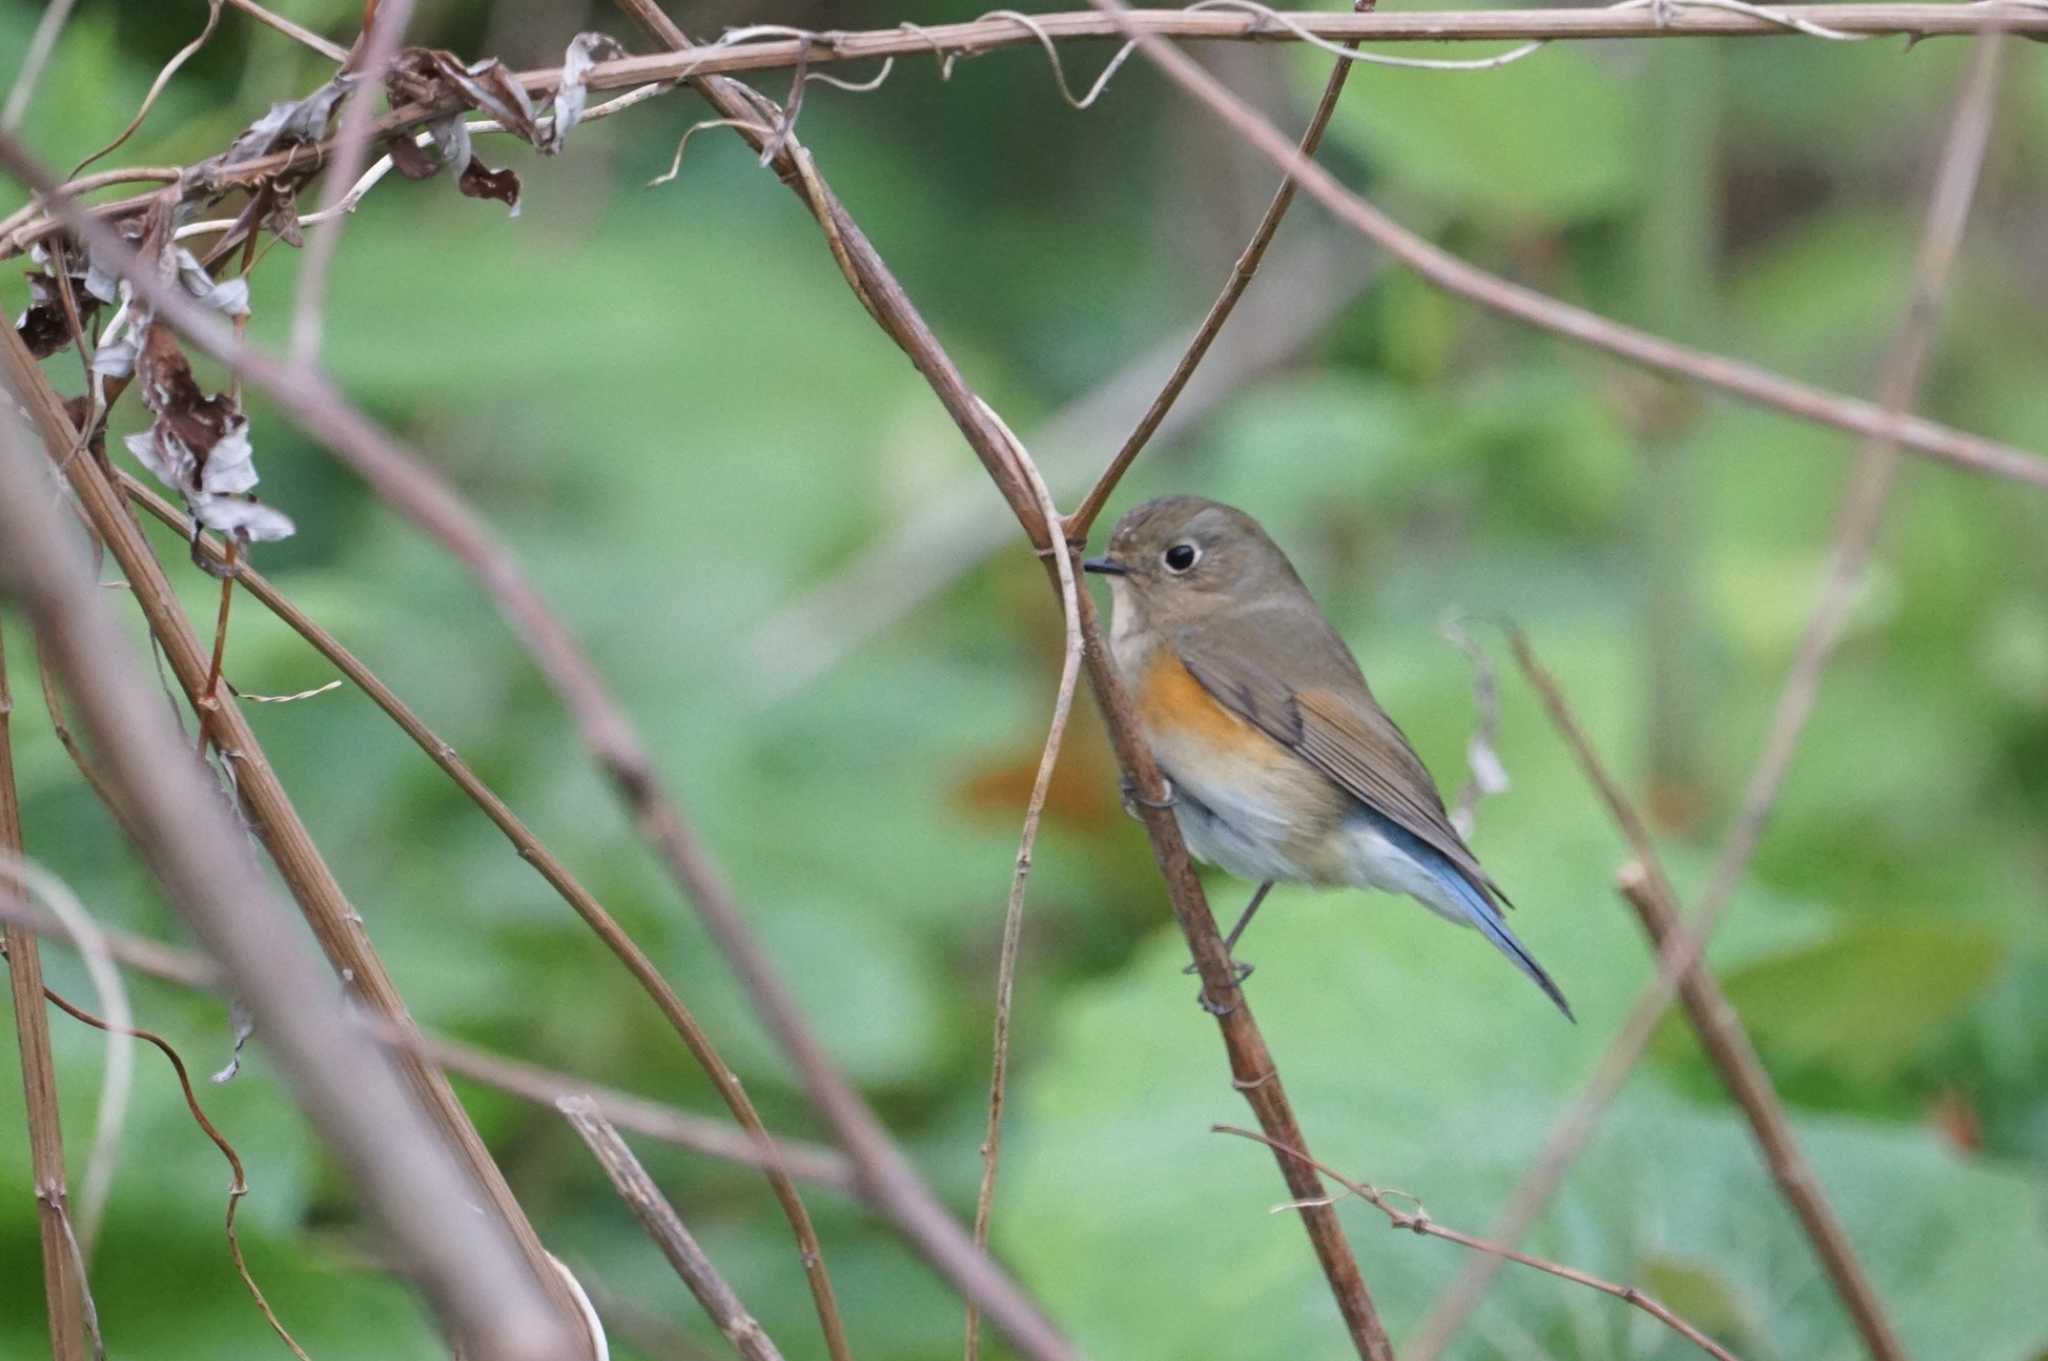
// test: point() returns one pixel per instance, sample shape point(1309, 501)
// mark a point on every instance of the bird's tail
point(1480, 911)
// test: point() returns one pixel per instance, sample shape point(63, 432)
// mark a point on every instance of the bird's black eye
point(1180, 557)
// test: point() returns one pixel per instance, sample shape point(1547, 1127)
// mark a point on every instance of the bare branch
point(1647, 888)
point(1013, 914)
point(1420, 1223)
point(528, 1081)
point(304, 36)
point(238, 1187)
point(550, 867)
point(1962, 157)
point(63, 1288)
point(118, 1078)
point(1083, 519)
point(1251, 1063)
point(352, 140)
point(406, 483)
point(1460, 279)
point(469, 1263)
point(40, 44)
point(666, 1228)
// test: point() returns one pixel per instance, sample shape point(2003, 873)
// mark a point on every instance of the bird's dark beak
point(1106, 565)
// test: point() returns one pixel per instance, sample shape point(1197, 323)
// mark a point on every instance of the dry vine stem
point(1647, 888)
point(1013, 912)
point(1251, 1063)
point(63, 1286)
point(1420, 1223)
point(528, 1081)
point(335, 923)
point(549, 866)
point(1962, 157)
point(887, 1180)
point(470, 1264)
point(1452, 275)
point(666, 1228)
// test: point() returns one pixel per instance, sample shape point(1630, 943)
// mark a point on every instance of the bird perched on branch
point(1282, 765)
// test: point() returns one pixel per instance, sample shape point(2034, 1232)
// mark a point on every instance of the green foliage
point(669, 404)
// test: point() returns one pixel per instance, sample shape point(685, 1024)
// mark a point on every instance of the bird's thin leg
point(1244, 971)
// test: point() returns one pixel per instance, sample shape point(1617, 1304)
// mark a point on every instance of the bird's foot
point(1239, 970)
point(1133, 800)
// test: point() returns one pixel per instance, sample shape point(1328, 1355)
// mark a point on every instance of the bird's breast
point(1249, 804)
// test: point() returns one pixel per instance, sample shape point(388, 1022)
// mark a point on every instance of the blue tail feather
point(1479, 910)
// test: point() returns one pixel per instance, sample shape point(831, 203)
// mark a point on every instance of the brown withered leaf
point(198, 445)
point(411, 159)
point(293, 122)
point(43, 327)
point(425, 75)
point(480, 181)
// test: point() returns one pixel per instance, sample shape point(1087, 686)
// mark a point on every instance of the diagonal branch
point(1439, 267)
point(63, 1287)
point(1962, 157)
point(1252, 1067)
point(470, 1263)
point(666, 1228)
point(1647, 888)
point(335, 923)
point(407, 484)
point(1419, 1222)
point(1083, 519)
point(580, 899)
point(1013, 913)
point(515, 1077)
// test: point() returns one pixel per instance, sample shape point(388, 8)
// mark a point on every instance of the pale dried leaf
point(571, 96)
point(290, 123)
point(243, 1022)
point(243, 517)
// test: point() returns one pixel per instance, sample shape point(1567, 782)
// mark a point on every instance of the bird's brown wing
point(1345, 735)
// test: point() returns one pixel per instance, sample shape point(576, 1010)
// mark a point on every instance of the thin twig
point(550, 867)
point(63, 1289)
point(528, 1081)
point(1083, 519)
point(470, 1262)
point(298, 34)
point(666, 1228)
point(352, 140)
point(1647, 888)
point(956, 527)
point(237, 1188)
point(1452, 275)
point(209, 696)
point(1627, 19)
point(156, 87)
point(1013, 912)
point(41, 44)
point(118, 1078)
point(1251, 1063)
point(335, 924)
point(1855, 532)
point(1419, 1222)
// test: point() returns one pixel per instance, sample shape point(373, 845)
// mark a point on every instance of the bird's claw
point(1239, 970)
point(1133, 800)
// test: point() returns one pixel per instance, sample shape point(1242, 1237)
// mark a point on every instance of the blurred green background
point(668, 402)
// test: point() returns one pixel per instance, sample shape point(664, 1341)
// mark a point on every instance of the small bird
point(1281, 763)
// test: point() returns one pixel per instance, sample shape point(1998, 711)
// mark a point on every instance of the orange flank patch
point(1180, 713)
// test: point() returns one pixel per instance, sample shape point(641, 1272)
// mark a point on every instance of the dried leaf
point(280, 213)
point(424, 75)
point(243, 1022)
point(291, 123)
point(198, 445)
point(585, 51)
point(116, 360)
point(480, 181)
point(409, 158)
